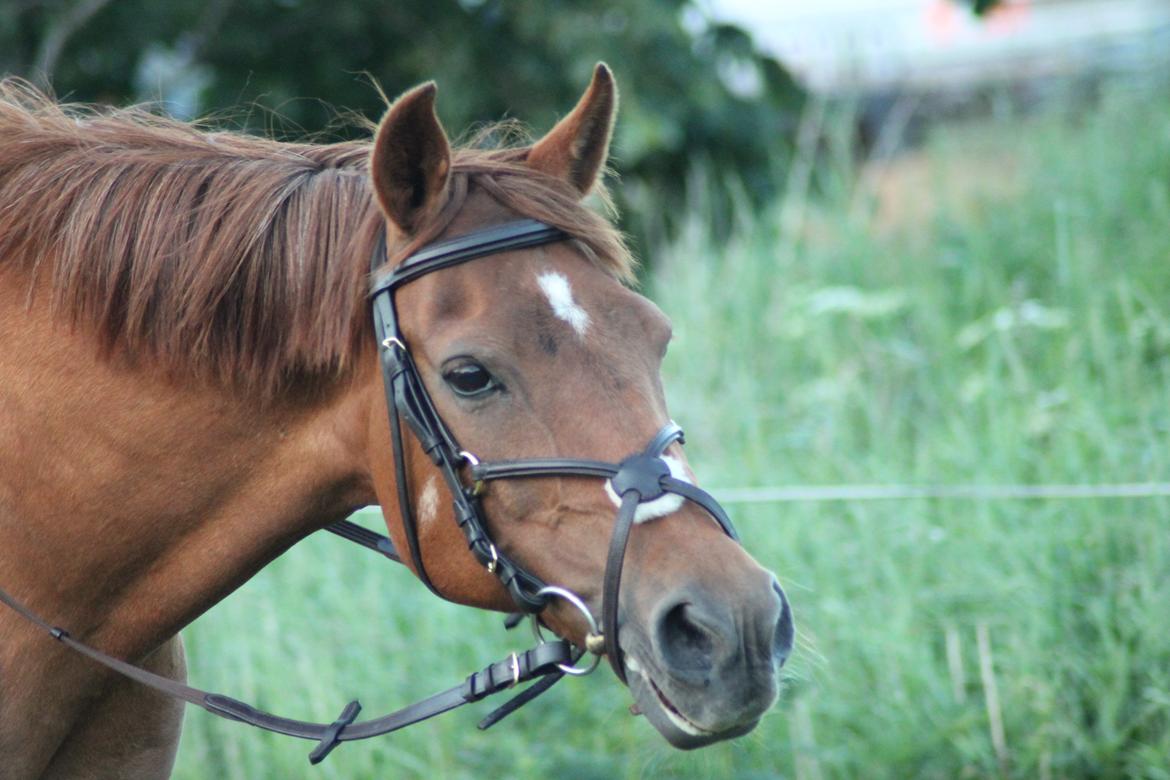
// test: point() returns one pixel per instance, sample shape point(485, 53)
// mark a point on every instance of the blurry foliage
point(694, 91)
point(980, 7)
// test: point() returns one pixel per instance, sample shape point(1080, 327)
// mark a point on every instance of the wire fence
point(971, 492)
point(791, 494)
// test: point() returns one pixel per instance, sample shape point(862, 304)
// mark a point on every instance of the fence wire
point(791, 494)
point(972, 492)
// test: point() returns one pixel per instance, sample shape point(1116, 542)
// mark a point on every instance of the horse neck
point(130, 504)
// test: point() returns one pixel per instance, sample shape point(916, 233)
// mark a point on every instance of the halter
point(642, 477)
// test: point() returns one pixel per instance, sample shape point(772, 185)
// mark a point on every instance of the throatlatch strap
point(404, 509)
point(366, 538)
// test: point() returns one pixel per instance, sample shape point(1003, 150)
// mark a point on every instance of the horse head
point(541, 352)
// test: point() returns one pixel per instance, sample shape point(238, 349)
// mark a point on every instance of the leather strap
point(613, 581)
point(518, 234)
point(543, 467)
point(542, 661)
point(366, 538)
point(639, 479)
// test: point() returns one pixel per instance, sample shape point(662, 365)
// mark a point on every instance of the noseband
point(640, 478)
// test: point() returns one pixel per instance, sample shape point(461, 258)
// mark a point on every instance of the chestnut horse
point(188, 386)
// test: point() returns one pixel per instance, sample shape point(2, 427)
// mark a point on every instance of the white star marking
point(560, 296)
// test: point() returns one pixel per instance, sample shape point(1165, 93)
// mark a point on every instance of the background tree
point(693, 90)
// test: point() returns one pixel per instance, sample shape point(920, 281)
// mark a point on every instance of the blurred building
point(874, 46)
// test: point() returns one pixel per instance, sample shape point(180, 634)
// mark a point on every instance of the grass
point(1020, 332)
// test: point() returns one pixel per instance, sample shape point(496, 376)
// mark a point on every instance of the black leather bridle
point(640, 478)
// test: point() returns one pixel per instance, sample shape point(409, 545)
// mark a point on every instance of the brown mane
point(219, 255)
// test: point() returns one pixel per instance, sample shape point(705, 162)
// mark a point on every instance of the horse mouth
point(669, 718)
point(680, 720)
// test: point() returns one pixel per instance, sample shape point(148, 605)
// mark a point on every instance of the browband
point(520, 234)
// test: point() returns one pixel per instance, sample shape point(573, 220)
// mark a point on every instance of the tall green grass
point(1018, 335)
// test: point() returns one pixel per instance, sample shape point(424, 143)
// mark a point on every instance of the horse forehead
point(583, 298)
point(547, 297)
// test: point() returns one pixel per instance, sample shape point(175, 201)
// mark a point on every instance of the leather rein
point(640, 478)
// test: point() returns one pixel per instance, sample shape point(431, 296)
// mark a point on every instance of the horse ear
point(411, 161)
point(577, 148)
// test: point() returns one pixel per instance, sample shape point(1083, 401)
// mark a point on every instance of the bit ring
point(575, 600)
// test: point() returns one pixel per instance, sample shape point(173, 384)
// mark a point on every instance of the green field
point(1015, 328)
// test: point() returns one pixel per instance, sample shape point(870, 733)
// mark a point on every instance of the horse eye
point(469, 379)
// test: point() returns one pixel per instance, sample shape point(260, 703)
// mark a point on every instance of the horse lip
point(676, 715)
point(667, 718)
point(672, 711)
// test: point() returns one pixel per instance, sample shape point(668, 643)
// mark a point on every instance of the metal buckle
point(491, 565)
point(575, 600)
point(392, 341)
point(515, 669)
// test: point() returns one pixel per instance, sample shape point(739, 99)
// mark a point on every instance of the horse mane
point(223, 256)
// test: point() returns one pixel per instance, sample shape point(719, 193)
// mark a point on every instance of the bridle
point(642, 477)
point(639, 478)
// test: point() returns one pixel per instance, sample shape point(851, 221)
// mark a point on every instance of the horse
point(190, 386)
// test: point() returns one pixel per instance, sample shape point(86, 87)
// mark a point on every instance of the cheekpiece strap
point(407, 397)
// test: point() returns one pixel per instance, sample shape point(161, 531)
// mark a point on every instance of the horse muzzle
point(705, 667)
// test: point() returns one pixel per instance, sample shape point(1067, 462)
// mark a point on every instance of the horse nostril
point(684, 641)
point(785, 631)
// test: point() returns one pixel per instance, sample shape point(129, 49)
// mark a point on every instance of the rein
point(642, 477)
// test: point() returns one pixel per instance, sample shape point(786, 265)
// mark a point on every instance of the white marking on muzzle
point(661, 506)
point(560, 296)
